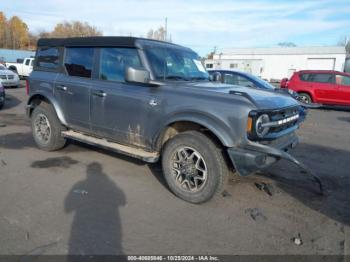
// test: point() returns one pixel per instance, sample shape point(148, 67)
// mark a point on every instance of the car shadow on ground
point(332, 166)
point(335, 108)
point(344, 118)
point(95, 201)
point(10, 102)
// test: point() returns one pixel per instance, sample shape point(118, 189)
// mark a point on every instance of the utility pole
point(166, 29)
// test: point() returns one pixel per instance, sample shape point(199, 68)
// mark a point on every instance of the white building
point(277, 63)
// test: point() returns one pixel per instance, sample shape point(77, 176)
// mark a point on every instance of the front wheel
point(47, 128)
point(194, 167)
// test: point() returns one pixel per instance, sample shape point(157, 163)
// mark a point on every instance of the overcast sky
point(200, 24)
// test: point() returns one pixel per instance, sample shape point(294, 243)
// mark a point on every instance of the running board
point(149, 157)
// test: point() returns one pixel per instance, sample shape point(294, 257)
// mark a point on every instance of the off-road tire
point(306, 98)
point(217, 169)
point(55, 141)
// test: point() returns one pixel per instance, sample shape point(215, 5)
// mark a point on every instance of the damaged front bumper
point(254, 157)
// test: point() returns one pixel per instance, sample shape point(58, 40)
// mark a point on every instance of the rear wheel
point(194, 167)
point(47, 128)
point(306, 98)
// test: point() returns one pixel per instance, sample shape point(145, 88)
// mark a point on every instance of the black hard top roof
point(100, 41)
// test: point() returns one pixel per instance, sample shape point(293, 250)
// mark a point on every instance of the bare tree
point(159, 34)
point(286, 44)
point(345, 41)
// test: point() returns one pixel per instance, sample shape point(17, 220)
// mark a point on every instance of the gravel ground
point(84, 200)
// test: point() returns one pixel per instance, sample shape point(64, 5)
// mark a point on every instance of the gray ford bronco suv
point(153, 100)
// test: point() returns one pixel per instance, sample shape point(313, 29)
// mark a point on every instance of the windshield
point(2, 67)
point(175, 64)
point(261, 82)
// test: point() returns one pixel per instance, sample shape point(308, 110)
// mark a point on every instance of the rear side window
point(48, 57)
point(322, 78)
point(114, 62)
point(78, 61)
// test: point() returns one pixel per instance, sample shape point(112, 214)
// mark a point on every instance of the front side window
point(48, 57)
point(78, 61)
point(114, 61)
point(342, 80)
point(175, 64)
point(237, 80)
point(27, 62)
point(231, 79)
point(322, 78)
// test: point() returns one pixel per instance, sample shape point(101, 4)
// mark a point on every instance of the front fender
point(216, 125)
point(42, 95)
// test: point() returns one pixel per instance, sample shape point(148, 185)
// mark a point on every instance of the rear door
point(72, 88)
point(343, 85)
point(324, 87)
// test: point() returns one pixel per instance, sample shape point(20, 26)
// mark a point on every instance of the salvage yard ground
point(83, 199)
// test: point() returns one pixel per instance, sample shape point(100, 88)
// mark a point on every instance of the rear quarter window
point(304, 77)
point(48, 57)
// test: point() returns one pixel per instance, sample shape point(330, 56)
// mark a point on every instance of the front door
point(324, 87)
point(120, 111)
point(72, 88)
point(343, 84)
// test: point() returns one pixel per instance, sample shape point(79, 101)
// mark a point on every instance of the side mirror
point(216, 77)
point(137, 75)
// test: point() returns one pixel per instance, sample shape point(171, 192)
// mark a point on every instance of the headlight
point(260, 129)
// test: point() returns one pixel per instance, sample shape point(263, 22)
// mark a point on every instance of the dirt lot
point(85, 200)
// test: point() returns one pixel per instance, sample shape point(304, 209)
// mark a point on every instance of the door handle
point(99, 93)
point(61, 87)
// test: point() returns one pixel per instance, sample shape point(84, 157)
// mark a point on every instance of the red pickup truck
point(320, 86)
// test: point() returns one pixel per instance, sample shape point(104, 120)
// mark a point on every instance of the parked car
point(2, 96)
point(22, 69)
point(8, 78)
point(153, 100)
point(320, 86)
point(240, 78)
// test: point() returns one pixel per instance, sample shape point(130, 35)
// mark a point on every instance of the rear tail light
point(27, 86)
point(284, 83)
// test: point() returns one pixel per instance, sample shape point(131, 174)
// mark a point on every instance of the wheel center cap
point(188, 168)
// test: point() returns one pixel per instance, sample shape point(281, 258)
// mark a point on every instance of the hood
point(7, 72)
point(263, 99)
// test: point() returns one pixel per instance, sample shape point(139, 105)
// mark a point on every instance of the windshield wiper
point(199, 78)
point(175, 77)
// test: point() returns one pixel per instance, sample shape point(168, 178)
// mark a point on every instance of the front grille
point(10, 77)
point(3, 77)
point(283, 114)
